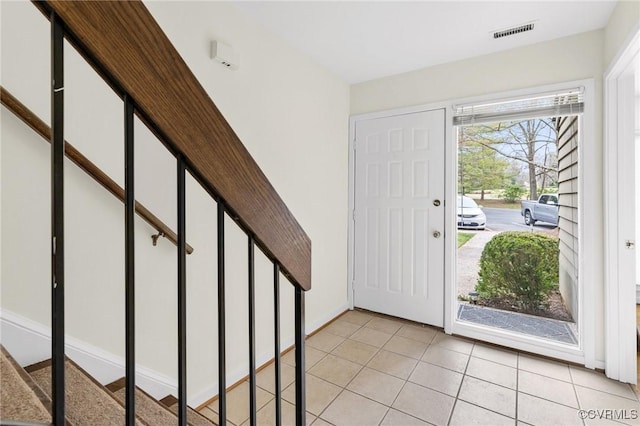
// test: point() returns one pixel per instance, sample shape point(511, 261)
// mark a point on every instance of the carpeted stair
point(146, 407)
point(193, 417)
point(25, 398)
point(87, 401)
point(21, 400)
point(154, 412)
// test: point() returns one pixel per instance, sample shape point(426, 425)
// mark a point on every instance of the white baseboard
point(238, 375)
point(27, 341)
point(637, 294)
point(326, 318)
point(232, 378)
point(30, 342)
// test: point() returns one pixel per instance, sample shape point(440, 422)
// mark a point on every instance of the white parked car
point(470, 216)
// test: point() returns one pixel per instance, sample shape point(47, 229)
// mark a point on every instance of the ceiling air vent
point(514, 30)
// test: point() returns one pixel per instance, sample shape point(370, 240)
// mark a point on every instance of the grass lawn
point(463, 237)
point(498, 204)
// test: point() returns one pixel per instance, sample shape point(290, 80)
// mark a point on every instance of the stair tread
point(148, 408)
point(87, 402)
point(168, 404)
point(193, 417)
point(20, 397)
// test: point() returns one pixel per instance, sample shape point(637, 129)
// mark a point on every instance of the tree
point(548, 177)
point(532, 142)
point(531, 139)
point(480, 168)
point(512, 192)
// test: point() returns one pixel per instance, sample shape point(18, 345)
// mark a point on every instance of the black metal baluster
point(276, 338)
point(129, 250)
point(222, 360)
point(301, 409)
point(182, 296)
point(57, 221)
point(252, 334)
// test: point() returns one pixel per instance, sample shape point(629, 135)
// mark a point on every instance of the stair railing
point(33, 121)
point(125, 45)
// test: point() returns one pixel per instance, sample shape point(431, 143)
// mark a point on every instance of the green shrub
point(512, 193)
point(520, 266)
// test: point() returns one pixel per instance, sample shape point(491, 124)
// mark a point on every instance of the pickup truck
point(543, 210)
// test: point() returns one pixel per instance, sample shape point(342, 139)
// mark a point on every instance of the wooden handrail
point(124, 42)
point(41, 128)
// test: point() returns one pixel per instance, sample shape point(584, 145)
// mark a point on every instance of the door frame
point(353, 120)
point(620, 316)
point(590, 220)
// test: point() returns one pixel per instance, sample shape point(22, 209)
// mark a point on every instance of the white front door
point(399, 216)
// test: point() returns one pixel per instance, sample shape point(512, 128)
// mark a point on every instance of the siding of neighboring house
point(568, 216)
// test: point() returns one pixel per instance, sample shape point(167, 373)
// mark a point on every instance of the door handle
point(436, 203)
point(436, 234)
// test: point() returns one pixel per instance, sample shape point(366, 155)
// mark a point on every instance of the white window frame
point(584, 352)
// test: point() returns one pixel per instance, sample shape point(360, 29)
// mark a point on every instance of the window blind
point(556, 104)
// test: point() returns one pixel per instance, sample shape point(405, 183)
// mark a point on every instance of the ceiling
point(365, 40)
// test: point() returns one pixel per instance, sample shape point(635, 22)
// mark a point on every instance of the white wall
point(623, 21)
point(293, 117)
point(291, 114)
point(560, 60)
point(567, 59)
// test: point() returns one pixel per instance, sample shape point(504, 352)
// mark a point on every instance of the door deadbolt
point(436, 203)
point(436, 234)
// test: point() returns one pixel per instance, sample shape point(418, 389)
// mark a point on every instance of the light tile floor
point(367, 369)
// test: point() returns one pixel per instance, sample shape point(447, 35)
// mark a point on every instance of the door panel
point(399, 173)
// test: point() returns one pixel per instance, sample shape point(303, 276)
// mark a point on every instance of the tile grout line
point(464, 374)
point(343, 387)
point(446, 368)
point(433, 341)
point(519, 367)
point(407, 381)
point(480, 406)
point(615, 395)
point(360, 370)
point(380, 348)
point(575, 392)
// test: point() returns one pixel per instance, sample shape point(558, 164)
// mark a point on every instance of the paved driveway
point(510, 220)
